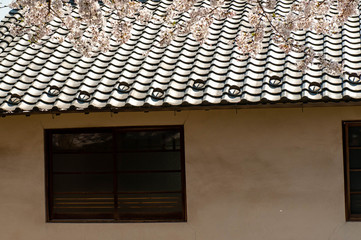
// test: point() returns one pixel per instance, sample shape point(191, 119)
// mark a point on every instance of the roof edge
point(188, 108)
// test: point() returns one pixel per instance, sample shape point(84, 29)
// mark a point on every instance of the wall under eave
point(258, 174)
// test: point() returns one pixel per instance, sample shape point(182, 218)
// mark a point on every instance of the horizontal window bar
point(119, 172)
point(110, 193)
point(83, 207)
point(72, 199)
point(354, 147)
point(84, 203)
point(78, 152)
point(139, 192)
point(355, 192)
point(145, 150)
point(107, 172)
point(118, 151)
point(146, 198)
point(139, 207)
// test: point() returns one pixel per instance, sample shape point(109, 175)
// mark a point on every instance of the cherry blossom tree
point(87, 25)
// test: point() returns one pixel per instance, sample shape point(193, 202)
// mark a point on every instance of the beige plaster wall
point(258, 174)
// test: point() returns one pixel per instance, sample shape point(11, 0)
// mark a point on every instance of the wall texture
point(257, 174)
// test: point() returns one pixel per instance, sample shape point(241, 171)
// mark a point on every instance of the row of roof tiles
point(55, 76)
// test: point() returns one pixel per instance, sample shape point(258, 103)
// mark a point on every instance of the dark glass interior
point(355, 158)
point(147, 182)
point(354, 136)
point(89, 162)
point(148, 140)
point(355, 181)
point(355, 203)
point(83, 183)
point(149, 161)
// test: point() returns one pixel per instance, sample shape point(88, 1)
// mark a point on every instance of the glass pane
point(94, 162)
point(133, 182)
point(355, 181)
point(149, 161)
point(148, 140)
point(354, 136)
point(83, 203)
point(92, 142)
point(165, 205)
point(355, 158)
point(83, 183)
point(355, 203)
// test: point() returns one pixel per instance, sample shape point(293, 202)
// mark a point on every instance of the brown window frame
point(49, 173)
point(347, 170)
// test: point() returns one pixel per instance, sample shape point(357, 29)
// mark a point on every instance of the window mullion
point(50, 175)
point(183, 178)
point(115, 176)
point(347, 173)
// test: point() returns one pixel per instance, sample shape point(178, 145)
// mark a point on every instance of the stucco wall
point(274, 174)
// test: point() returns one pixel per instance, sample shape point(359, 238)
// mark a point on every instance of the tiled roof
point(54, 77)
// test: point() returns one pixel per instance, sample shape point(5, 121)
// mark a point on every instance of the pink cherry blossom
point(92, 25)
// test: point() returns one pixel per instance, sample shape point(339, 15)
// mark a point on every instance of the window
point(115, 174)
point(352, 151)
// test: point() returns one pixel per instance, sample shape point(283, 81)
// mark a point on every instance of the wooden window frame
point(48, 172)
point(346, 149)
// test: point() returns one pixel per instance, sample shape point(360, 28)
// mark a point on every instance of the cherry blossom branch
point(87, 25)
